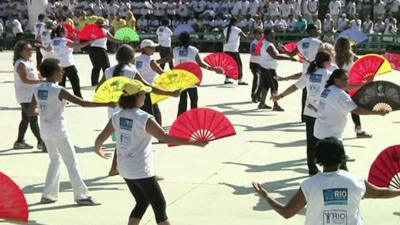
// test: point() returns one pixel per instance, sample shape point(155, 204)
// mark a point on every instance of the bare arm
point(22, 73)
point(295, 76)
point(363, 111)
point(64, 94)
point(157, 90)
point(111, 38)
point(373, 191)
point(74, 45)
point(166, 59)
point(243, 35)
point(275, 55)
point(287, 92)
point(155, 67)
point(205, 66)
point(103, 136)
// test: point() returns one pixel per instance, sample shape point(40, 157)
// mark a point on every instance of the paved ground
point(203, 186)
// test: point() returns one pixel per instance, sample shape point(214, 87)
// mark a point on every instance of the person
point(255, 66)
point(130, 20)
point(268, 64)
point(164, 35)
point(345, 59)
point(134, 129)
point(317, 74)
point(184, 52)
point(45, 40)
point(17, 28)
point(98, 52)
point(26, 78)
point(333, 196)
point(232, 35)
point(50, 98)
point(39, 26)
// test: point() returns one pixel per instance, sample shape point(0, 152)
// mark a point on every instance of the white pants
point(57, 149)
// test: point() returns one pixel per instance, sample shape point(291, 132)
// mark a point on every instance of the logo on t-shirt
point(161, 29)
point(325, 93)
point(183, 52)
point(43, 94)
point(56, 42)
point(125, 123)
point(316, 78)
point(139, 64)
point(335, 196)
point(335, 217)
point(305, 45)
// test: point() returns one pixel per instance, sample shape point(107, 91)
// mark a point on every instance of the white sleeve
point(302, 82)
point(169, 31)
point(143, 120)
point(345, 102)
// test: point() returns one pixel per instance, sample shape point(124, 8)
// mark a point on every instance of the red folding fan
point(92, 31)
point(72, 33)
point(13, 205)
point(191, 67)
point(289, 47)
point(202, 124)
point(385, 170)
point(394, 60)
point(259, 46)
point(225, 62)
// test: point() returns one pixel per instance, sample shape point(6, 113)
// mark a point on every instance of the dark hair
point(127, 101)
point(228, 32)
point(343, 52)
point(330, 152)
point(258, 31)
point(165, 22)
point(184, 39)
point(48, 67)
point(310, 28)
point(58, 31)
point(321, 57)
point(124, 56)
point(267, 31)
point(335, 75)
point(18, 49)
point(41, 16)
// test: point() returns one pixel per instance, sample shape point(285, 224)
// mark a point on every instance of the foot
point(90, 201)
point(263, 106)
point(228, 82)
point(22, 145)
point(277, 108)
point(113, 173)
point(41, 146)
point(254, 99)
point(159, 178)
point(243, 83)
point(45, 200)
point(363, 134)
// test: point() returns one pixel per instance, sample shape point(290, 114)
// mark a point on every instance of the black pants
point(165, 51)
point(255, 87)
point(194, 98)
point(147, 192)
point(152, 109)
point(99, 58)
point(303, 103)
point(311, 141)
point(72, 74)
point(39, 57)
point(28, 120)
point(236, 57)
point(356, 119)
point(267, 80)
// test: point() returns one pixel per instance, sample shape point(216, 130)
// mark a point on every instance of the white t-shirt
point(328, 25)
point(39, 26)
point(62, 52)
point(286, 9)
point(309, 48)
point(51, 111)
point(135, 157)
point(17, 27)
point(233, 43)
point(46, 42)
point(253, 8)
point(164, 36)
point(253, 57)
point(266, 61)
point(236, 8)
point(23, 91)
point(334, 7)
point(333, 198)
point(334, 107)
point(315, 84)
point(182, 54)
point(312, 7)
point(143, 65)
point(101, 42)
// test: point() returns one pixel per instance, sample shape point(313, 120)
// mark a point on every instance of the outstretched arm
point(103, 136)
point(373, 191)
point(64, 94)
point(287, 92)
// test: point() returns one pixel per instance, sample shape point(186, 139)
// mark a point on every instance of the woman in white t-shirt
point(26, 79)
point(255, 57)
point(135, 129)
point(314, 80)
point(333, 196)
point(232, 35)
point(164, 34)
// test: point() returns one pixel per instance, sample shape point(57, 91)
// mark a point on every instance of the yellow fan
point(111, 89)
point(385, 67)
point(173, 80)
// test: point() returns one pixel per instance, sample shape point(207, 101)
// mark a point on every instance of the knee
point(33, 119)
point(139, 210)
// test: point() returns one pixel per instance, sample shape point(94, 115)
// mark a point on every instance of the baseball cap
point(134, 86)
point(148, 43)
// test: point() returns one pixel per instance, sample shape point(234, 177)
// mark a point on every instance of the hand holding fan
point(290, 47)
point(385, 170)
point(379, 95)
point(224, 62)
point(72, 33)
point(394, 60)
point(191, 67)
point(13, 205)
point(110, 90)
point(92, 31)
point(202, 124)
point(171, 81)
point(127, 34)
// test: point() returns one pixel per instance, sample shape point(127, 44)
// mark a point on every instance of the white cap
point(148, 43)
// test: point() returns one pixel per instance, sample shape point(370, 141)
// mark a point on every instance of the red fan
point(225, 62)
point(191, 67)
point(72, 33)
point(385, 170)
point(289, 47)
point(259, 45)
point(202, 124)
point(394, 60)
point(13, 205)
point(92, 31)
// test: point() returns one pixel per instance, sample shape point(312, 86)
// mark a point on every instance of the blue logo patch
point(305, 45)
point(161, 29)
point(139, 64)
point(125, 123)
point(335, 196)
point(253, 48)
point(56, 42)
point(325, 93)
point(315, 78)
point(43, 94)
point(183, 52)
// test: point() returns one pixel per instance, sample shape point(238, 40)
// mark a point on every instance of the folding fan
point(127, 34)
point(173, 80)
point(289, 47)
point(259, 46)
point(379, 94)
point(13, 205)
point(225, 62)
point(91, 31)
point(202, 124)
point(110, 90)
point(191, 67)
point(72, 33)
point(394, 60)
point(366, 68)
point(385, 170)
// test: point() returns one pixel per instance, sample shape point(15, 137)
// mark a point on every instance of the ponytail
point(312, 67)
point(58, 31)
point(320, 59)
point(124, 56)
point(335, 75)
point(228, 32)
point(184, 40)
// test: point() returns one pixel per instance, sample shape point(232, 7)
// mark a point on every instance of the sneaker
point(263, 106)
point(87, 202)
point(22, 145)
point(243, 83)
point(363, 134)
point(41, 146)
point(228, 82)
point(277, 108)
point(45, 200)
point(254, 99)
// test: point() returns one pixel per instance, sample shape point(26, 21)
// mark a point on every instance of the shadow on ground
point(286, 127)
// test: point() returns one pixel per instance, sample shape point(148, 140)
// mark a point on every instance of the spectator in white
point(269, 23)
point(159, 9)
point(286, 9)
point(280, 24)
point(379, 9)
point(258, 23)
point(351, 9)
point(296, 7)
point(198, 7)
point(124, 7)
point(147, 8)
point(1, 36)
point(50, 8)
point(312, 8)
point(316, 22)
point(335, 7)
point(164, 35)
point(136, 7)
point(171, 9)
point(273, 9)
point(236, 8)
point(39, 26)
point(291, 23)
point(142, 24)
point(22, 8)
point(245, 8)
point(254, 8)
point(212, 5)
point(390, 29)
point(183, 9)
point(368, 26)
point(389, 17)
point(329, 24)
point(342, 23)
point(113, 8)
point(224, 7)
point(379, 26)
point(98, 8)
point(356, 23)
point(154, 23)
point(17, 28)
